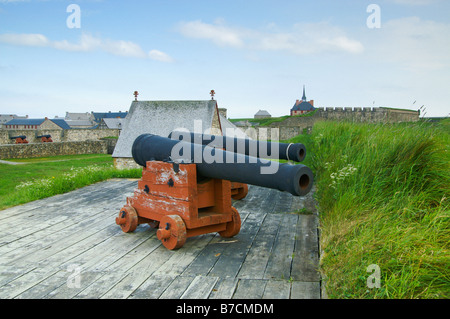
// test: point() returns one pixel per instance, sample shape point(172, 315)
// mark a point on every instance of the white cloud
point(219, 34)
point(159, 56)
point(413, 43)
point(30, 39)
point(86, 43)
point(300, 39)
point(309, 38)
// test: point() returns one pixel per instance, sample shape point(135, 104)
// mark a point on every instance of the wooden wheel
point(172, 232)
point(128, 219)
point(234, 226)
point(242, 192)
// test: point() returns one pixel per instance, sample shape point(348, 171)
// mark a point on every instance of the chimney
point(297, 102)
point(311, 102)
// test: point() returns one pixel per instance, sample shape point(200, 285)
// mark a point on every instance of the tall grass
point(383, 198)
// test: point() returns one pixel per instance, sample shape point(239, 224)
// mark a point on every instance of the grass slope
point(39, 178)
point(383, 195)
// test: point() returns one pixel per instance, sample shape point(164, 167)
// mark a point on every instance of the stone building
point(112, 123)
point(79, 120)
point(262, 114)
point(98, 116)
point(36, 124)
point(303, 106)
point(8, 117)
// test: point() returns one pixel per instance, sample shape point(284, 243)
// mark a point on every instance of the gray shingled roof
point(304, 106)
point(161, 118)
point(61, 123)
point(114, 123)
point(262, 113)
point(25, 121)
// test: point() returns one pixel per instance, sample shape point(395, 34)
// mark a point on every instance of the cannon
point(288, 151)
point(45, 138)
point(21, 139)
point(185, 189)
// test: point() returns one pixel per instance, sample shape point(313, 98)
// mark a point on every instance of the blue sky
point(254, 54)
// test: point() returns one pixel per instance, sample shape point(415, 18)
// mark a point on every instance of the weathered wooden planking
point(277, 289)
point(279, 264)
point(109, 269)
point(258, 256)
point(137, 260)
point(161, 262)
point(178, 286)
point(305, 265)
point(209, 256)
point(224, 288)
point(250, 289)
point(81, 232)
point(153, 287)
point(200, 288)
point(230, 261)
point(305, 290)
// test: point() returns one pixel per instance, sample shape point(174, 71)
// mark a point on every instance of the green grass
point(39, 178)
point(382, 192)
point(270, 120)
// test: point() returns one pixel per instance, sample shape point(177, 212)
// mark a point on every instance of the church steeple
point(304, 96)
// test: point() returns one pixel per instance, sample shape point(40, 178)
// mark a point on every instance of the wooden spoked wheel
point(234, 226)
point(128, 219)
point(172, 232)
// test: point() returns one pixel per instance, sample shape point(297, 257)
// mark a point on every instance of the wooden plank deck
point(68, 246)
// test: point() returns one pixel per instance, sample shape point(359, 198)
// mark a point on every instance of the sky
point(91, 55)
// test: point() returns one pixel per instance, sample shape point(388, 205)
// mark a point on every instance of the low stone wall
point(72, 135)
point(12, 151)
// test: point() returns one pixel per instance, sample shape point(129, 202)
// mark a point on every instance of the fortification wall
point(295, 125)
point(12, 151)
point(73, 135)
point(367, 114)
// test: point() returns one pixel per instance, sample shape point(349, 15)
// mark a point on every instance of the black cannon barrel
point(20, 136)
point(46, 136)
point(265, 149)
point(217, 163)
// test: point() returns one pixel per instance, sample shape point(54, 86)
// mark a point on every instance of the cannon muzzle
point(220, 164)
point(263, 149)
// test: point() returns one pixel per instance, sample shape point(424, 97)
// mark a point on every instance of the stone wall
point(12, 151)
point(72, 135)
point(295, 125)
point(367, 114)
